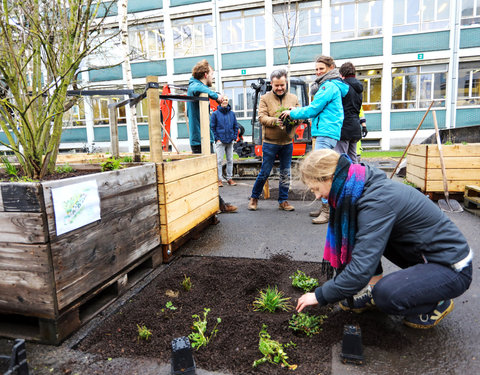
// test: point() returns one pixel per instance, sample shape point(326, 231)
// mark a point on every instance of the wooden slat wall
point(462, 164)
point(128, 229)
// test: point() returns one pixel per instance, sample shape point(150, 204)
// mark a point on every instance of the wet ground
point(450, 348)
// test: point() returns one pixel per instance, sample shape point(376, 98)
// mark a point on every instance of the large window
point(469, 84)
point(352, 19)
point(372, 88)
point(302, 25)
point(75, 116)
point(470, 12)
point(240, 97)
point(100, 112)
point(243, 30)
point(417, 86)
point(420, 15)
point(147, 41)
point(192, 36)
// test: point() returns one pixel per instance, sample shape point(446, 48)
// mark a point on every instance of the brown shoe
point(228, 208)
point(252, 204)
point(286, 206)
point(231, 182)
point(220, 183)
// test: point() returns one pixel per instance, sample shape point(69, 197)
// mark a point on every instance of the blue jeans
point(418, 289)
point(325, 142)
point(285, 155)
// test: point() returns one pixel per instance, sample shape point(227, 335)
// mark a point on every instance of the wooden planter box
point(52, 284)
point(462, 164)
point(187, 197)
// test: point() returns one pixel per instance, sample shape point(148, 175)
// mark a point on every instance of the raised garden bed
point(228, 286)
point(51, 283)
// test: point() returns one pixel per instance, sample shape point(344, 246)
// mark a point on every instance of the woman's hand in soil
point(307, 299)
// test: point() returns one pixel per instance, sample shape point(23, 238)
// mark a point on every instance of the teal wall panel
point(106, 74)
point(435, 41)
point(374, 121)
point(4, 139)
point(247, 124)
point(240, 60)
point(467, 117)
point(143, 5)
point(357, 48)
point(149, 68)
point(74, 135)
point(410, 120)
point(299, 54)
point(109, 7)
point(182, 130)
point(470, 38)
point(176, 3)
point(102, 133)
point(143, 132)
point(185, 64)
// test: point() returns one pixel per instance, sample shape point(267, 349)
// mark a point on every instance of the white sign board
point(75, 205)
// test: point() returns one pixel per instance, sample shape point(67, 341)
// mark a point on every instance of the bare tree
point(42, 45)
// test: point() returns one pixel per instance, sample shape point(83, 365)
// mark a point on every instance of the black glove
point(364, 131)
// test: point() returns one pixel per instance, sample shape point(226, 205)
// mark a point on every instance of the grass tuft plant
point(273, 351)
point(304, 282)
point(66, 168)
point(199, 336)
point(186, 283)
point(308, 324)
point(271, 299)
point(143, 333)
point(111, 164)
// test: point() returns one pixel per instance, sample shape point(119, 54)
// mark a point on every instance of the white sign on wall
point(75, 205)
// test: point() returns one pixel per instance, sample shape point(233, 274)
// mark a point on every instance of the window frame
point(421, 24)
point(241, 45)
point(134, 32)
point(193, 24)
point(470, 100)
point(474, 19)
point(364, 75)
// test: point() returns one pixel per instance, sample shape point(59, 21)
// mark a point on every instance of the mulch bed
point(228, 286)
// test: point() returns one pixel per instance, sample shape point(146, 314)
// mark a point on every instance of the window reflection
point(243, 30)
point(358, 18)
point(192, 36)
point(420, 15)
point(468, 84)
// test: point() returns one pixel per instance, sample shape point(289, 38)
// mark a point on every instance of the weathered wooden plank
point(416, 171)
point(469, 150)
point(175, 170)
point(454, 174)
point(453, 186)
point(417, 181)
point(418, 150)
point(174, 190)
point(25, 292)
point(450, 162)
point(185, 223)
point(173, 210)
point(1, 202)
point(23, 227)
point(21, 197)
point(21, 257)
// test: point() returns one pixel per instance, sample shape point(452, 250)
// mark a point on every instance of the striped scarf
point(347, 187)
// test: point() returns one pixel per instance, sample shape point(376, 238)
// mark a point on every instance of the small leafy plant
point(199, 336)
point(127, 159)
point(273, 351)
point(66, 168)
point(270, 300)
point(186, 283)
point(167, 311)
point(13, 172)
point(302, 281)
point(288, 122)
point(308, 324)
point(143, 333)
point(111, 164)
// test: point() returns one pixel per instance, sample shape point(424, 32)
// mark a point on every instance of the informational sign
point(244, 71)
point(420, 56)
point(75, 205)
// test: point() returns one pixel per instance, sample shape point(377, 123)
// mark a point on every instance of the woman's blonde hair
point(318, 165)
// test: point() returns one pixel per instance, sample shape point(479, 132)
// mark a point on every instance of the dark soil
point(50, 177)
point(228, 286)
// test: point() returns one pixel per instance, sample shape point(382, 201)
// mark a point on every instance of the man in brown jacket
point(276, 141)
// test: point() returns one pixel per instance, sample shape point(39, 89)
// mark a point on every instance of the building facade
point(407, 53)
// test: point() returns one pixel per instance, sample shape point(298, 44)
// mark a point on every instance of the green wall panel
point(470, 38)
point(102, 133)
point(409, 120)
point(176, 3)
point(109, 7)
point(239, 60)
point(299, 54)
point(357, 48)
point(74, 135)
point(143, 5)
point(435, 41)
point(149, 68)
point(106, 74)
point(467, 117)
point(374, 121)
point(185, 64)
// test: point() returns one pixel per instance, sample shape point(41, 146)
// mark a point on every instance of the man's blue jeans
point(418, 289)
point(285, 155)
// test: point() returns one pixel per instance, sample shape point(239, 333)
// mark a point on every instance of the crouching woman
point(373, 216)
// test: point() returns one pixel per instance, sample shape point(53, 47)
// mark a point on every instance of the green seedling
point(111, 164)
point(270, 300)
point(406, 182)
point(186, 283)
point(143, 333)
point(127, 159)
point(199, 335)
point(273, 351)
point(10, 169)
point(288, 122)
point(304, 282)
point(308, 324)
point(66, 168)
